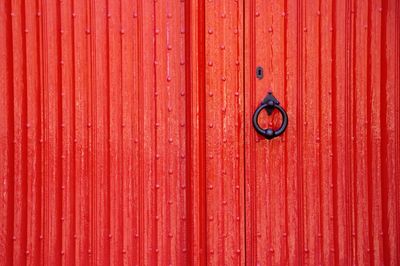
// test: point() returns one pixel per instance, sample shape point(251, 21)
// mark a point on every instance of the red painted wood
point(126, 133)
point(324, 192)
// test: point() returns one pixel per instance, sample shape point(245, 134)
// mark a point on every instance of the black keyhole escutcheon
point(259, 72)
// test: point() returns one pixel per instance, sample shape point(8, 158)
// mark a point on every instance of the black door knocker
point(269, 104)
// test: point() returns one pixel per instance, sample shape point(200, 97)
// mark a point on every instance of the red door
point(127, 135)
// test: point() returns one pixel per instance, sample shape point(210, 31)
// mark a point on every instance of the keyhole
point(259, 72)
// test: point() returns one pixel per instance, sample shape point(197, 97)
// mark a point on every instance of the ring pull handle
point(269, 104)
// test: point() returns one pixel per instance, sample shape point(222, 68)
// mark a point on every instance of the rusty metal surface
point(126, 135)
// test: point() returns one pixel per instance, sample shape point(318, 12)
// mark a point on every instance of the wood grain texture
point(126, 135)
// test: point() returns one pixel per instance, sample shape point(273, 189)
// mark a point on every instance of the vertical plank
point(377, 154)
point(326, 233)
point(81, 82)
point(391, 75)
point(114, 91)
point(7, 133)
point(66, 124)
point(33, 135)
point(224, 124)
point(361, 189)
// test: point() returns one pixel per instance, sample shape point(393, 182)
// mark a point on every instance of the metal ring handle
point(269, 133)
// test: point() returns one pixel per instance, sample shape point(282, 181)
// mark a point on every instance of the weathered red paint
point(126, 133)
